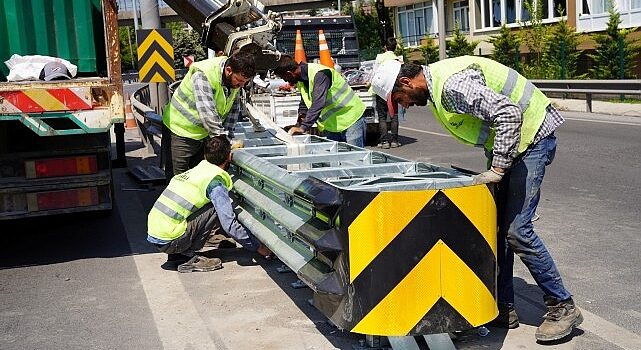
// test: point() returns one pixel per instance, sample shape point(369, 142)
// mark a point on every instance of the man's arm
point(206, 105)
point(219, 197)
point(322, 83)
point(467, 92)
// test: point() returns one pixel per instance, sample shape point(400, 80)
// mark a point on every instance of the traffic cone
point(130, 120)
point(299, 51)
point(323, 51)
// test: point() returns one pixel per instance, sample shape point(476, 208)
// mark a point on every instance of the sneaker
point(559, 321)
point(395, 144)
point(200, 264)
point(507, 318)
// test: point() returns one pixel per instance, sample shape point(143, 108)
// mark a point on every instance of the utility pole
point(441, 29)
point(150, 16)
point(135, 15)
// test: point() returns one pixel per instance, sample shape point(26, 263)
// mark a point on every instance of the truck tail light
point(52, 167)
point(77, 197)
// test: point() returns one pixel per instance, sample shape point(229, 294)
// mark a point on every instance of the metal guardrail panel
point(389, 246)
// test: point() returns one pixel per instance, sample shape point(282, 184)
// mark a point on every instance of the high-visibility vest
point(342, 106)
point(503, 80)
point(380, 59)
point(181, 115)
point(185, 194)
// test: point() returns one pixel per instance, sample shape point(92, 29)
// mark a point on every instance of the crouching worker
point(195, 203)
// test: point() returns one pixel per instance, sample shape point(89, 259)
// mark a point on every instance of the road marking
point(177, 320)
point(424, 131)
point(602, 121)
point(602, 328)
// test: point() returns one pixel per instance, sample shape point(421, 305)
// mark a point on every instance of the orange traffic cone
point(299, 51)
point(323, 50)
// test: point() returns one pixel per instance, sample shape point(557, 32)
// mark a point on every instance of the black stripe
point(441, 318)
point(155, 47)
point(439, 219)
point(156, 69)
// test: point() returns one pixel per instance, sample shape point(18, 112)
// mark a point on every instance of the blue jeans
point(517, 198)
point(354, 135)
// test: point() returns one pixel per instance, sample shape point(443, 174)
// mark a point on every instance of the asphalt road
point(91, 281)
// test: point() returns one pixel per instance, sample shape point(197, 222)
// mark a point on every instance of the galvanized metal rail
point(591, 87)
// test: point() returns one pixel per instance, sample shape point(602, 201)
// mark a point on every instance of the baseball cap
point(385, 77)
point(54, 71)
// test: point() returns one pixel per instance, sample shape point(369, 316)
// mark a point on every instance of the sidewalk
point(599, 107)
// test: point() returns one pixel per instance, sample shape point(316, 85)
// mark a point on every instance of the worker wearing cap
point(485, 104)
point(330, 101)
point(203, 105)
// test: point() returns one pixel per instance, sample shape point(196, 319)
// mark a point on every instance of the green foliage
point(400, 49)
point(614, 52)
point(368, 30)
point(561, 53)
point(186, 42)
point(534, 34)
point(459, 46)
point(429, 51)
point(506, 48)
point(128, 48)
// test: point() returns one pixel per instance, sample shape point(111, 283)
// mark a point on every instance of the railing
point(591, 87)
point(132, 77)
point(149, 122)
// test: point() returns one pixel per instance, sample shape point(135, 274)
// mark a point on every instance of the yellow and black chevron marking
point(155, 56)
point(422, 262)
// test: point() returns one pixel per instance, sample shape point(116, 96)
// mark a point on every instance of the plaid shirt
point(206, 106)
point(466, 92)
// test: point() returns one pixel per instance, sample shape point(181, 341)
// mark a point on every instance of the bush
point(561, 53)
point(506, 48)
point(459, 46)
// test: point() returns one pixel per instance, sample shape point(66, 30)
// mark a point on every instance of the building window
point(492, 11)
point(414, 22)
point(635, 4)
point(595, 7)
point(462, 15)
point(510, 11)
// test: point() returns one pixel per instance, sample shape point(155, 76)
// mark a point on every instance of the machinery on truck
point(55, 144)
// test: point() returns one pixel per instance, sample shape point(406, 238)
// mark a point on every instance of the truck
point(55, 140)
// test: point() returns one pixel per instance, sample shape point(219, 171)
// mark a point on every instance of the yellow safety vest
point(185, 194)
point(503, 80)
point(342, 106)
point(181, 115)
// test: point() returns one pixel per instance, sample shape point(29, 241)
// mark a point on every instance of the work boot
point(200, 264)
point(507, 318)
point(559, 321)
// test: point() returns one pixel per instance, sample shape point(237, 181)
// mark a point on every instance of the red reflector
point(77, 197)
point(51, 167)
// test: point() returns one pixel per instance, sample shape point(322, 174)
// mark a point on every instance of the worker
point(386, 115)
point(194, 204)
point(330, 102)
point(203, 105)
point(483, 103)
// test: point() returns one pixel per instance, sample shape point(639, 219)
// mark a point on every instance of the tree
point(186, 43)
point(429, 50)
point(128, 48)
point(561, 54)
point(533, 34)
point(506, 48)
point(368, 31)
point(614, 52)
point(459, 46)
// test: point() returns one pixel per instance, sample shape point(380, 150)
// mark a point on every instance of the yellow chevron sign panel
point(155, 56)
point(422, 262)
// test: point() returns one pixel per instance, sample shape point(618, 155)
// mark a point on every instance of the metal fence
point(588, 88)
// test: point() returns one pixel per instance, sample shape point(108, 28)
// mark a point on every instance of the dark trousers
point(384, 117)
point(199, 226)
point(180, 153)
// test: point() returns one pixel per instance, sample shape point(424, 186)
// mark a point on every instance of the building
point(413, 19)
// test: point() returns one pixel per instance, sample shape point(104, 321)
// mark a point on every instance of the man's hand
point(264, 252)
point(295, 130)
point(493, 175)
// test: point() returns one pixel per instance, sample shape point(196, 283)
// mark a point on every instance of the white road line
point(425, 131)
point(176, 318)
point(602, 121)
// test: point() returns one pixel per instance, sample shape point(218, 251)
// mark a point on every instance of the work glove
point(237, 144)
point(490, 176)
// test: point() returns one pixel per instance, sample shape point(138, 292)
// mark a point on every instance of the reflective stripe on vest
point(506, 81)
point(181, 115)
point(185, 194)
point(342, 106)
